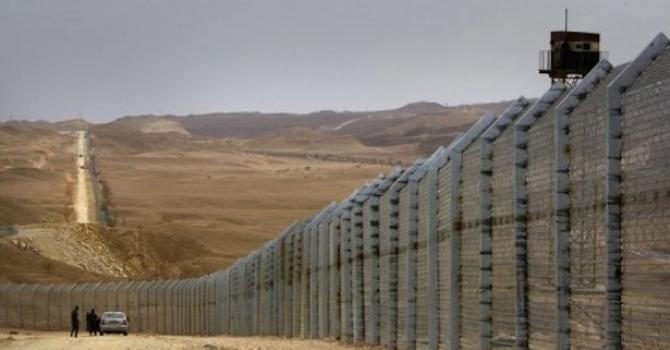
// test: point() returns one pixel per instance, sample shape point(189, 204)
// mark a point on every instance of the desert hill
point(304, 139)
point(420, 126)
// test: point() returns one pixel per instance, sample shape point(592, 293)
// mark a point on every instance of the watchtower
point(571, 55)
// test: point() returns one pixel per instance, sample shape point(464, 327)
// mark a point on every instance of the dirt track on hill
point(61, 340)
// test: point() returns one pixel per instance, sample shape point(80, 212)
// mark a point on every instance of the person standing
point(89, 324)
point(74, 319)
point(95, 322)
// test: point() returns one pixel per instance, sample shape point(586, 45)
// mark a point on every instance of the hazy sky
point(106, 59)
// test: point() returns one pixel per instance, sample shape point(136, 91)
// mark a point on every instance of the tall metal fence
point(544, 227)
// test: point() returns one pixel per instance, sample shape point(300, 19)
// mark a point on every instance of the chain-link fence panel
point(470, 240)
point(346, 329)
point(407, 230)
point(587, 217)
point(646, 199)
point(323, 257)
point(287, 273)
point(497, 227)
point(305, 279)
point(422, 292)
point(541, 243)
point(388, 262)
point(503, 257)
point(334, 320)
point(296, 301)
point(370, 276)
point(41, 306)
point(444, 234)
point(356, 241)
point(52, 311)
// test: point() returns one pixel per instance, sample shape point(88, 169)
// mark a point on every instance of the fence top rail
point(584, 87)
point(635, 68)
point(388, 181)
point(433, 162)
point(370, 189)
point(404, 178)
point(540, 106)
point(321, 215)
point(287, 230)
point(506, 118)
point(474, 132)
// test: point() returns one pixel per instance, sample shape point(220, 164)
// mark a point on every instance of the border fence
point(544, 227)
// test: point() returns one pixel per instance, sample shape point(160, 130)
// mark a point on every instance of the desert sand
point(20, 339)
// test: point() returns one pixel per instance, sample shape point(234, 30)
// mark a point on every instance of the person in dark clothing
point(95, 322)
point(74, 319)
point(89, 325)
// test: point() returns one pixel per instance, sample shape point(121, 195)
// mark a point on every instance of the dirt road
point(82, 196)
point(61, 340)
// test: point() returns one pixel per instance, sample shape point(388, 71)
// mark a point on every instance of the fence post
point(313, 281)
point(455, 251)
point(562, 223)
point(432, 245)
point(485, 248)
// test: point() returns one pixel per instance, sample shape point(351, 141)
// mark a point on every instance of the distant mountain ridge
point(423, 125)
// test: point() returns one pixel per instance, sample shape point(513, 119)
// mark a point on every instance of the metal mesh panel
point(297, 281)
point(371, 269)
point(169, 297)
point(407, 267)
point(346, 331)
point(263, 306)
point(324, 279)
point(444, 230)
point(334, 278)
point(163, 306)
point(388, 259)
point(224, 303)
point(470, 234)
point(306, 283)
point(540, 181)
point(422, 266)
point(255, 296)
point(287, 297)
point(503, 273)
point(235, 295)
point(313, 283)
point(143, 306)
point(153, 306)
point(4, 304)
point(587, 217)
point(357, 273)
point(646, 199)
point(41, 307)
point(52, 307)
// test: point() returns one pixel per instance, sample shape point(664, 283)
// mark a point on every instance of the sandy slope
point(61, 340)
